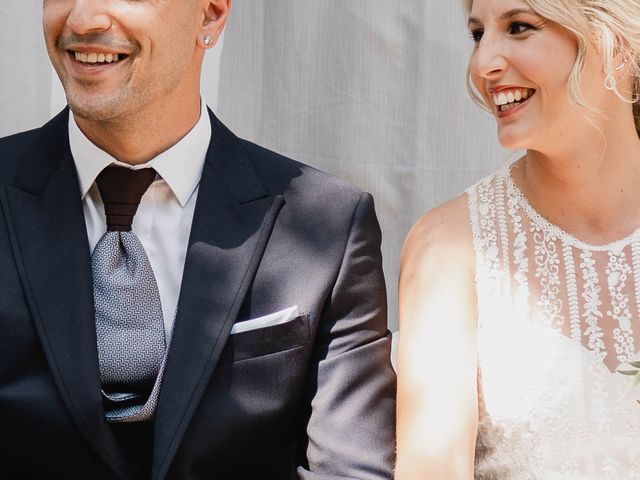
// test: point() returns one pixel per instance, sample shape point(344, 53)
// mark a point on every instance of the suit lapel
point(233, 219)
point(46, 223)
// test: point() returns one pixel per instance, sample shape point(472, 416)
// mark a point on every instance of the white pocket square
point(277, 318)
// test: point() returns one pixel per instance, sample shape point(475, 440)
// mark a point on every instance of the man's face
point(117, 57)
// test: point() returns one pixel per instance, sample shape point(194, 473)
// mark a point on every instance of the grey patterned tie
point(129, 322)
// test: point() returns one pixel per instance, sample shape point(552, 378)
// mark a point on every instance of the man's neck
point(139, 139)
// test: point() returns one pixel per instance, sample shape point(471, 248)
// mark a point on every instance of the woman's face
point(520, 65)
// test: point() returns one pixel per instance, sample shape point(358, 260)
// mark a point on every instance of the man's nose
point(490, 59)
point(89, 16)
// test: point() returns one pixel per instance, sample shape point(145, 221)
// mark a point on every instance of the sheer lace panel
point(556, 317)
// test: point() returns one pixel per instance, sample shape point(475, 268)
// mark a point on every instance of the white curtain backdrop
point(25, 72)
point(370, 90)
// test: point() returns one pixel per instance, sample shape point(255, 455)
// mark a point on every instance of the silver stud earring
point(207, 39)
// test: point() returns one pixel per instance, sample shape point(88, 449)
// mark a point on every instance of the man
point(233, 325)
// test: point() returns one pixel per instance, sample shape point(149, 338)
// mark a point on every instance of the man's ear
point(214, 18)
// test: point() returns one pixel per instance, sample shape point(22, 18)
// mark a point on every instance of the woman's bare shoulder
point(437, 267)
point(443, 232)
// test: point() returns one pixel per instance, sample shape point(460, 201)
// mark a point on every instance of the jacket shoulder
point(285, 175)
point(280, 175)
point(12, 149)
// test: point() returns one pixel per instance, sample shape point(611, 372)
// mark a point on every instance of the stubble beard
point(113, 110)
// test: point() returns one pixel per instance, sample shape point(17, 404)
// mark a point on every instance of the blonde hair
point(614, 25)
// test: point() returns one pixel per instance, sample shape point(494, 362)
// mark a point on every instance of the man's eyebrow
point(506, 15)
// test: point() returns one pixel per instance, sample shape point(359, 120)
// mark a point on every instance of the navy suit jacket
point(313, 398)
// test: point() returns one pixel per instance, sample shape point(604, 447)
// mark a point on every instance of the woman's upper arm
point(437, 360)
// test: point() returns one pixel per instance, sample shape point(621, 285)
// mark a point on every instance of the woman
point(520, 299)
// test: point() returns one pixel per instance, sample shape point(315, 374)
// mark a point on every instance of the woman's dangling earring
point(610, 81)
point(611, 84)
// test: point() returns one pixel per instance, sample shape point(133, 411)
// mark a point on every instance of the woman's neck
point(590, 188)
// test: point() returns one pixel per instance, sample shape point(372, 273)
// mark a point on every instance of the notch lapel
point(48, 235)
point(232, 222)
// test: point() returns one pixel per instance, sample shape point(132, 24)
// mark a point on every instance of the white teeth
point(513, 95)
point(96, 57)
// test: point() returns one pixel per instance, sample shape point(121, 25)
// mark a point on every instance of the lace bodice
point(556, 317)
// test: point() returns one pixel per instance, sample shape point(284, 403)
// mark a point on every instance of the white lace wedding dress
point(556, 317)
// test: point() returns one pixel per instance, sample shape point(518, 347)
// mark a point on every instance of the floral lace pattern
point(556, 316)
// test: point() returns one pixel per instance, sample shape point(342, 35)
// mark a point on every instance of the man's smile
point(93, 60)
point(95, 57)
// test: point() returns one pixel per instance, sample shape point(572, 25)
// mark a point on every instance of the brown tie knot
point(121, 190)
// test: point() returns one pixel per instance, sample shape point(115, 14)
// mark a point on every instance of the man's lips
point(90, 63)
point(95, 57)
point(93, 50)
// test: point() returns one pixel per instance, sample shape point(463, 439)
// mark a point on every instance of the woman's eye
point(517, 28)
point(476, 35)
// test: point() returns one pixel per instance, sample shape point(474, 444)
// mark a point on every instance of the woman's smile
point(509, 100)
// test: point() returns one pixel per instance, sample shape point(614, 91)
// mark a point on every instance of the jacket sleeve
point(352, 386)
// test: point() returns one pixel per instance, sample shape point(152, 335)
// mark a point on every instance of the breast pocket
point(266, 340)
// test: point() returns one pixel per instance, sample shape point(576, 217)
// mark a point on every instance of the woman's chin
point(512, 140)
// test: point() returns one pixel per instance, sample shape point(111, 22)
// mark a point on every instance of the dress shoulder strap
point(488, 209)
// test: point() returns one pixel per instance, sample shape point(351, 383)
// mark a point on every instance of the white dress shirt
point(163, 220)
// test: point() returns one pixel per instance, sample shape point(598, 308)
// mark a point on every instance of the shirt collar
point(180, 166)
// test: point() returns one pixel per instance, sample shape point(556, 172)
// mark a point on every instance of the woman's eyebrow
point(505, 16)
